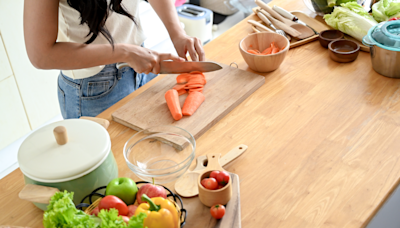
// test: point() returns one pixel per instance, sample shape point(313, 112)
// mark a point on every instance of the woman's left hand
point(184, 43)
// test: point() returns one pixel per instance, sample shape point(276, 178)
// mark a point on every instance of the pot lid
point(387, 34)
point(42, 158)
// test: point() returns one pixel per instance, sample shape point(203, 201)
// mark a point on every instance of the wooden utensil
point(186, 185)
point(281, 25)
point(259, 25)
point(225, 89)
point(304, 31)
point(37, 193)
point(103, 122)
point(266, 21)
point(212, 197)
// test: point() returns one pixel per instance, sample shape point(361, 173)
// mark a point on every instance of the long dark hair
point(94, 13)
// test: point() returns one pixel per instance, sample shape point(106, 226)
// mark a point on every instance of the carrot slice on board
point(193, 86)
point(172, 98)
point(192, 103)
point(179, 87)
point(181, 91)
point(196, 90)
point(182, 78)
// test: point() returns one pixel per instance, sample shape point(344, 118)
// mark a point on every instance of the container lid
point(388, 35)
point(41, 158)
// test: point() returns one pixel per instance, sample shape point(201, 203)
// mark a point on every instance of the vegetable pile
point(192, 83)
point(384, 10)
point(154, 209)
point(351, 19)
point(272, 49)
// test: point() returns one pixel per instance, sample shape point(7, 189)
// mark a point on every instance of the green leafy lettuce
point(61, 213)
point(386, 9)
point(351, 19)
point(332, 3)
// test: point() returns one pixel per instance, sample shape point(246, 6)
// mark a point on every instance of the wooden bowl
point(261, 41)
point(343, 51)
point(212, 197)
point(327, 36)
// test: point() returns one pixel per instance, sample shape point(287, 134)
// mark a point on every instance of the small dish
point(327, 36)
point(343, 51)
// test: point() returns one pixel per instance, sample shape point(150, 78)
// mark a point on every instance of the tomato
point(217, 211)
point(214, 174)
point(394, 18)
point(220, 186)
point(210, 183)
point(126, 219)
point(132, 208)
point(95, 211)
point(223, 177)
point(111, 201)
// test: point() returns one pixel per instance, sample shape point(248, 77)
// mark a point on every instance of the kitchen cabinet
point(38, 88)
point(13, 120)
point(5, 69)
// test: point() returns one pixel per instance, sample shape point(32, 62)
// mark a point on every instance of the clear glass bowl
point(320, 7)
point(163, 153)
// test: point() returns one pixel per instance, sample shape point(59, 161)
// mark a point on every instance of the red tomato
point(95, 211)
point(132, 208)
point(210, 183)
point(220, 186)
point(214, 174)
point(394, 18)
point(126, 219)
point(217, 211)
point(111, 201)
point(223, 178)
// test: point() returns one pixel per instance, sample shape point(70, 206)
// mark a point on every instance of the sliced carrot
point(267, 51)
point(196, 90)
point(283, 48)
point(179, 87)
point(181, 91)
point(172, 98)
point(253, 52)
point(192, 103)
point(275, 50)
point(182, 78)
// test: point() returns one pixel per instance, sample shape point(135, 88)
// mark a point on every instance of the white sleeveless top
point(122, 29)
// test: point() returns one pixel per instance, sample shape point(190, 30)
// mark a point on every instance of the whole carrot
point(172, 98)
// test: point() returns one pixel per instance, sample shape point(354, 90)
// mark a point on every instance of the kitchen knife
point(172, 67)
point(290, 16)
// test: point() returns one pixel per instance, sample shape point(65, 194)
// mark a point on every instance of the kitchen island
point(323, 148)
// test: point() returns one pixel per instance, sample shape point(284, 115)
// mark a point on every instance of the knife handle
point(285, 13)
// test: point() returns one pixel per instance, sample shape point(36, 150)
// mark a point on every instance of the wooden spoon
point(280, 25)
point(186, 185)
point(304, 31)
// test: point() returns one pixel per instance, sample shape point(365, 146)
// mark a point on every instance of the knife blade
point(173, 67)
point(290, 16)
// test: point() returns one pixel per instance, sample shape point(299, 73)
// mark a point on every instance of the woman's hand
point(184, 43)
point(144, 60)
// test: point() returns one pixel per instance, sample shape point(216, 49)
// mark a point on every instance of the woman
point(85, 38)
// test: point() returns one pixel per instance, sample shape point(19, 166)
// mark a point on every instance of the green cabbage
point(332, 3)
point(386, 9)
point(351, 19)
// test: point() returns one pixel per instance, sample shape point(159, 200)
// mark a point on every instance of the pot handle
point(367, 42)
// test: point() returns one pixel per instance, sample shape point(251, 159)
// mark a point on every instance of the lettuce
point(351, 19)
point(386, 9)
point(332, 3)
point(61, 212)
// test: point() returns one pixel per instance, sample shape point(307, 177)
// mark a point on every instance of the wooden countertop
point(322, 136)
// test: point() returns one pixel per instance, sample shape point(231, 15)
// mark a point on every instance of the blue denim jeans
point(91, 96)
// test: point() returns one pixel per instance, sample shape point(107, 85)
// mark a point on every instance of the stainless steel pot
point(384, 48)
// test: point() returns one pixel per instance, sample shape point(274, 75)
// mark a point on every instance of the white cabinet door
point(38, 88)
point(5, 69)
point(13, 121)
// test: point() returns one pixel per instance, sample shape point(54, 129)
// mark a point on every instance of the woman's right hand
point(144, 60)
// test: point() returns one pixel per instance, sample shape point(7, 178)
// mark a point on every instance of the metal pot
point(384, 43)
point(73, 155)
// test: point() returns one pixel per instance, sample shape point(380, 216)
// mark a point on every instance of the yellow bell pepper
point(161, 213)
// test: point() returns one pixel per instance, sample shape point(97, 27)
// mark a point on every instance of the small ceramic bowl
point(327, 36)
point(343, 51)
point(261, 41)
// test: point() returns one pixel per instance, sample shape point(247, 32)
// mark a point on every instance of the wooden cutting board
point(225, 89)
point(199, 215)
